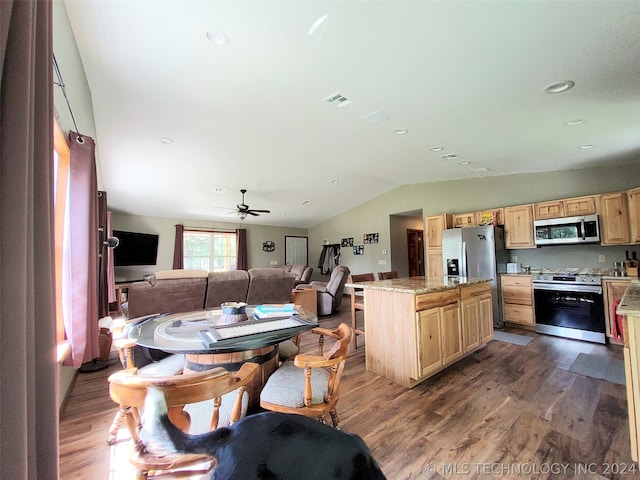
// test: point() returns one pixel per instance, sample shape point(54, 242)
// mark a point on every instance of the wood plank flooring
point(504, 412)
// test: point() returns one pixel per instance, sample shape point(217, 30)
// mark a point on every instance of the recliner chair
point(330, 293)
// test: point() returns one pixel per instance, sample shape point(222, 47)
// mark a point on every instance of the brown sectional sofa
point(302, 272)
point(172, 295)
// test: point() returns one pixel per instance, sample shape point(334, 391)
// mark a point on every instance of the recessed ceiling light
point(166, 140)
point(283, 214)
point(400, 131)
point(573, 123)
point(306, 202)
point(464, 163)
point(449, 156)
point(437, 149)
point(586, 147)
point(219, 189)
point(335, 182)
point(219, 39)
point(559, 87)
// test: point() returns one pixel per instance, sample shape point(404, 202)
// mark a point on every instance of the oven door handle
point(561, 287)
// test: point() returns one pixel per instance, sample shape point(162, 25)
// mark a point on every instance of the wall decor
point(347, 242)
point(370, 238)
point(358, 249)
point(268, 246)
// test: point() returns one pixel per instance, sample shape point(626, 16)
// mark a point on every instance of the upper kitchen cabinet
point(574, 207)
point(487, 217)
point(435, 225)
point(464, 220)
point(544, 210)
point(614, 219)
point(518, 226)
point(634, 214)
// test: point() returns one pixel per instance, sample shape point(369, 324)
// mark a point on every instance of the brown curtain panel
point(178, 248)
point(28, 379)
point(82, 325)
point(242, 262)
point(103, 234)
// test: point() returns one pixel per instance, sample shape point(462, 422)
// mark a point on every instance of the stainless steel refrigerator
point(477, 252)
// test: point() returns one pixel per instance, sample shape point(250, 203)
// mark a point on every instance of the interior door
point(415, 247)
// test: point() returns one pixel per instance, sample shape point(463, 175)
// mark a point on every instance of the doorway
point(415, 249)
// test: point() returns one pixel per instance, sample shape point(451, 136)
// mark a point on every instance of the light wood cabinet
point(613, 290)
point(544, 210)
point(614, 219)
point(435, 225)
point(633, 196)
point(483, 216)
point(586, 205)
point(411, 336)
point(461, 220)
point(429, 341)
point(473, 311)
point(434, 263)
point(518, 226)
point(486, 317)
point(517, 299)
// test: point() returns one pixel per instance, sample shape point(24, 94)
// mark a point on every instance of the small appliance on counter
point(631, 265)
point(514, 267)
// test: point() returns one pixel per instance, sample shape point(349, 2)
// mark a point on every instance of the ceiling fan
point(244, 210)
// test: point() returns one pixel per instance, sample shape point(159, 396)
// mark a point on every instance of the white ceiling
point(465, 76)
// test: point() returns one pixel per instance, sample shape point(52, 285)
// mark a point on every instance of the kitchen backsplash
point(582, 257)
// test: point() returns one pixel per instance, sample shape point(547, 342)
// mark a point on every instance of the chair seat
point(287, 349)
point(286, 386)
point(200, 412)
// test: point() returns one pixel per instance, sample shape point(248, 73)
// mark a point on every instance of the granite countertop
point(630, 302)
point(418, 285)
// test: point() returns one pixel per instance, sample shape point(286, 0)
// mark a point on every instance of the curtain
point(81, 261)
point(178, 249)
point(103, 234)
point(28, 380)
point(242, 262)
point(111, 274)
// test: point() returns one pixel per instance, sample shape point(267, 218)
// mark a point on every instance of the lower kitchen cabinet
point(476, 308)
point(517, 299)
point(613, 290)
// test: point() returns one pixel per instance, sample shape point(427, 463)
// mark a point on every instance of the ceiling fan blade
point(260, 211)
point(252, 212)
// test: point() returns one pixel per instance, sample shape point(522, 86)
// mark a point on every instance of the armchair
point(309, 384)
point(330, 293)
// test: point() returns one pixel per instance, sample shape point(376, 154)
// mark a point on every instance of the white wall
point(476, 194)
point(165, 228)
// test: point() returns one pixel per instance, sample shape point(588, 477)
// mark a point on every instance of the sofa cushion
point(166, 296)
point(226, 287)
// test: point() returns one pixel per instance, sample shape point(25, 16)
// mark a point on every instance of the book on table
point(275, 310)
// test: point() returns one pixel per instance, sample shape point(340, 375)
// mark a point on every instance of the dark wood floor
point(504, 412)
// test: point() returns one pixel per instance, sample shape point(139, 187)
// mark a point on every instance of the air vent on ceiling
point(375, 117)
point(337, 99)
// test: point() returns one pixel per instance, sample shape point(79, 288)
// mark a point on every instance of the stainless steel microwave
point(567, 230)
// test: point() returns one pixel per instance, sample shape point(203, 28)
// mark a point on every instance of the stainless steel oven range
point(569, 306)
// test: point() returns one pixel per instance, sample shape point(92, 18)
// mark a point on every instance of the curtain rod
point(213, 229)
point(60, 83)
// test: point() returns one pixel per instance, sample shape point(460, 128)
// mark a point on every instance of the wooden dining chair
point(309, 385)
point(388, 275)
point(219, 390)
point(357, 302)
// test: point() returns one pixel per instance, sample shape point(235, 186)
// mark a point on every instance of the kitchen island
point(417, 326)
point(630, 307)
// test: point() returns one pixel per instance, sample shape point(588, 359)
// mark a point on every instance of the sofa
point(183, 291)
point(302, 272)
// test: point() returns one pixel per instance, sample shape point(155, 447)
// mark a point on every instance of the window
point(212, 251)
point(61, 196)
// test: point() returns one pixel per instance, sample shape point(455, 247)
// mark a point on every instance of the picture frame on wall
point(347, 242)
point(370, 238)
point(358, 249)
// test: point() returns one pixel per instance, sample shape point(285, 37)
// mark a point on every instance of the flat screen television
point(135, 248)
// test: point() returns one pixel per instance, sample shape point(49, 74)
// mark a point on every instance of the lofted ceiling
point(190, 97)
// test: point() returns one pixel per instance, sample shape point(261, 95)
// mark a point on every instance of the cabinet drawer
point(436, 299)
point(518, 314)
point(517, 280)
point(517, 295)
point(474, 290)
